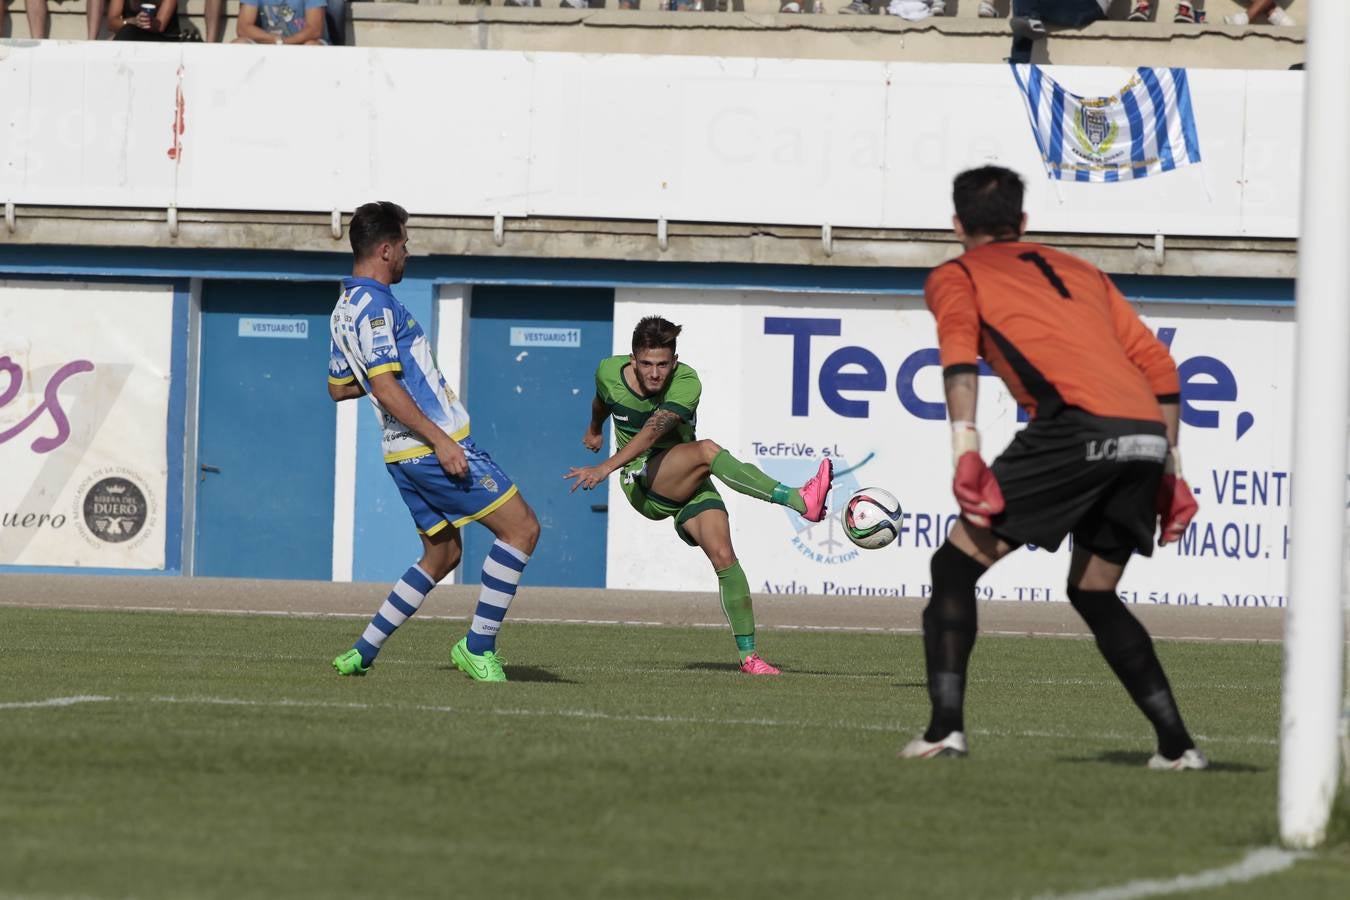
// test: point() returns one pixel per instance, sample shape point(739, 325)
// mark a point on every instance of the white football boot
point(953, 745)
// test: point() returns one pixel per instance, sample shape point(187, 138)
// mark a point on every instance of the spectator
point(1257, 8)
point(214, 16)
point(987, 9)
point(681, 5)
point(1029, 18)
point(155, 20)
point(39, 20)
point(1192, 13)
point(917, 10)
point(336, 17)
point(278, 22)
point(93, 18)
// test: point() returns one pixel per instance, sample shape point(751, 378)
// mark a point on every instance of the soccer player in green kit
point(653, 399)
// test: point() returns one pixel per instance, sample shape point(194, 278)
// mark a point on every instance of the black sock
point(1129, 651)
point(949, 623)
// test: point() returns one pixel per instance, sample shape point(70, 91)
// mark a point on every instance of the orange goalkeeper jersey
point(1053, 327)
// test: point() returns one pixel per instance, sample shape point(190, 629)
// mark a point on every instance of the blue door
point(267, 431)
point(532, 358)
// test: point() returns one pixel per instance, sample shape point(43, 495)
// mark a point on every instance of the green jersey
point(630, 412)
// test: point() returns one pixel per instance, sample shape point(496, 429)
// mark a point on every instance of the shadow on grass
point(527, 673)
point(712, 667)
point(820, 673)
point(536, 674)
point(1135, 760)
point(823, 673)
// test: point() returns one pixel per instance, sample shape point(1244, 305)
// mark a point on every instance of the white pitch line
point(55, 701)
point(1256, 864)
point(517, 712)
point(595, 714)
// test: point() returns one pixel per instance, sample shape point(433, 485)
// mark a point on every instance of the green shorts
point(652, 505)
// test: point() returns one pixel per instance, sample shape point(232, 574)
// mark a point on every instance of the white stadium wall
point(808, 142)
point(790, 377)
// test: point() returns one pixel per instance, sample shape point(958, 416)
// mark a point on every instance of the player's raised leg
point(949, 624)
point(711, 530)
point(516, 530)
point(440, 554)
point(680, 470)
point(1128, 649)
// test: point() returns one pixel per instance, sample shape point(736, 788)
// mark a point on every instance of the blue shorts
point(436, 500)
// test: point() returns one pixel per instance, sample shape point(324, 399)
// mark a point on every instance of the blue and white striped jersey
point(372, 333)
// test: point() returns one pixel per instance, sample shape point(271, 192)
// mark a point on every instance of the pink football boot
point(816, 490)
point(754, 664)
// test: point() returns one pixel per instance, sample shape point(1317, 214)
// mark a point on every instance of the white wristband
point(964, 439)
point(1172, 465)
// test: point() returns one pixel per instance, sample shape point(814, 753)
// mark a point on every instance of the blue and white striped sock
point(501, 573)
point(403, 601)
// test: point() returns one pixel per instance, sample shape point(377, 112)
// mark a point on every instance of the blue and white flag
point(1145, 128)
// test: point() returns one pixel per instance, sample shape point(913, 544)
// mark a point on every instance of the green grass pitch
point(622, 762)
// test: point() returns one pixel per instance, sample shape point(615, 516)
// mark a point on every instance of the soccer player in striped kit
point(446, 480)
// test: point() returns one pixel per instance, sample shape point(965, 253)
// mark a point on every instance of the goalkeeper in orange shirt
point(1098, 460)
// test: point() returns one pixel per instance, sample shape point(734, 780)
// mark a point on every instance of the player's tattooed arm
point(661, 423)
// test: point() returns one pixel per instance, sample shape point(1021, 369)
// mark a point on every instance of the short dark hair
point(655, 333)
point(375, 223)
point(988, 201)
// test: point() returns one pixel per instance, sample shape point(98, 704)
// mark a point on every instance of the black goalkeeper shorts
point(1085, 475)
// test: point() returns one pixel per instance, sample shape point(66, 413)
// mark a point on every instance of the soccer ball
point(871, 518)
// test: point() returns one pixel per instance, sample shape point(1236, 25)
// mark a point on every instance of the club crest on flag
point(1095, 132)
point(1146, 128)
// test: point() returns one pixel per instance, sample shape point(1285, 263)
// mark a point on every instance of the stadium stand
point(961, 35)
point(756, 28)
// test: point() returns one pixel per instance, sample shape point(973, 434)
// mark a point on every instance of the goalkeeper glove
point(977, 491)
point(1176, 503)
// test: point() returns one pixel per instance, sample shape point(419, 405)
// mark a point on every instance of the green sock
point(744, 478)
point(735, 590)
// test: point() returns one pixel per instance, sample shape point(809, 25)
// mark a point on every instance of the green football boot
point(486, 666)
point(349, 663)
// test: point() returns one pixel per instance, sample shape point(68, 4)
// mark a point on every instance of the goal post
point(1314, 641)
